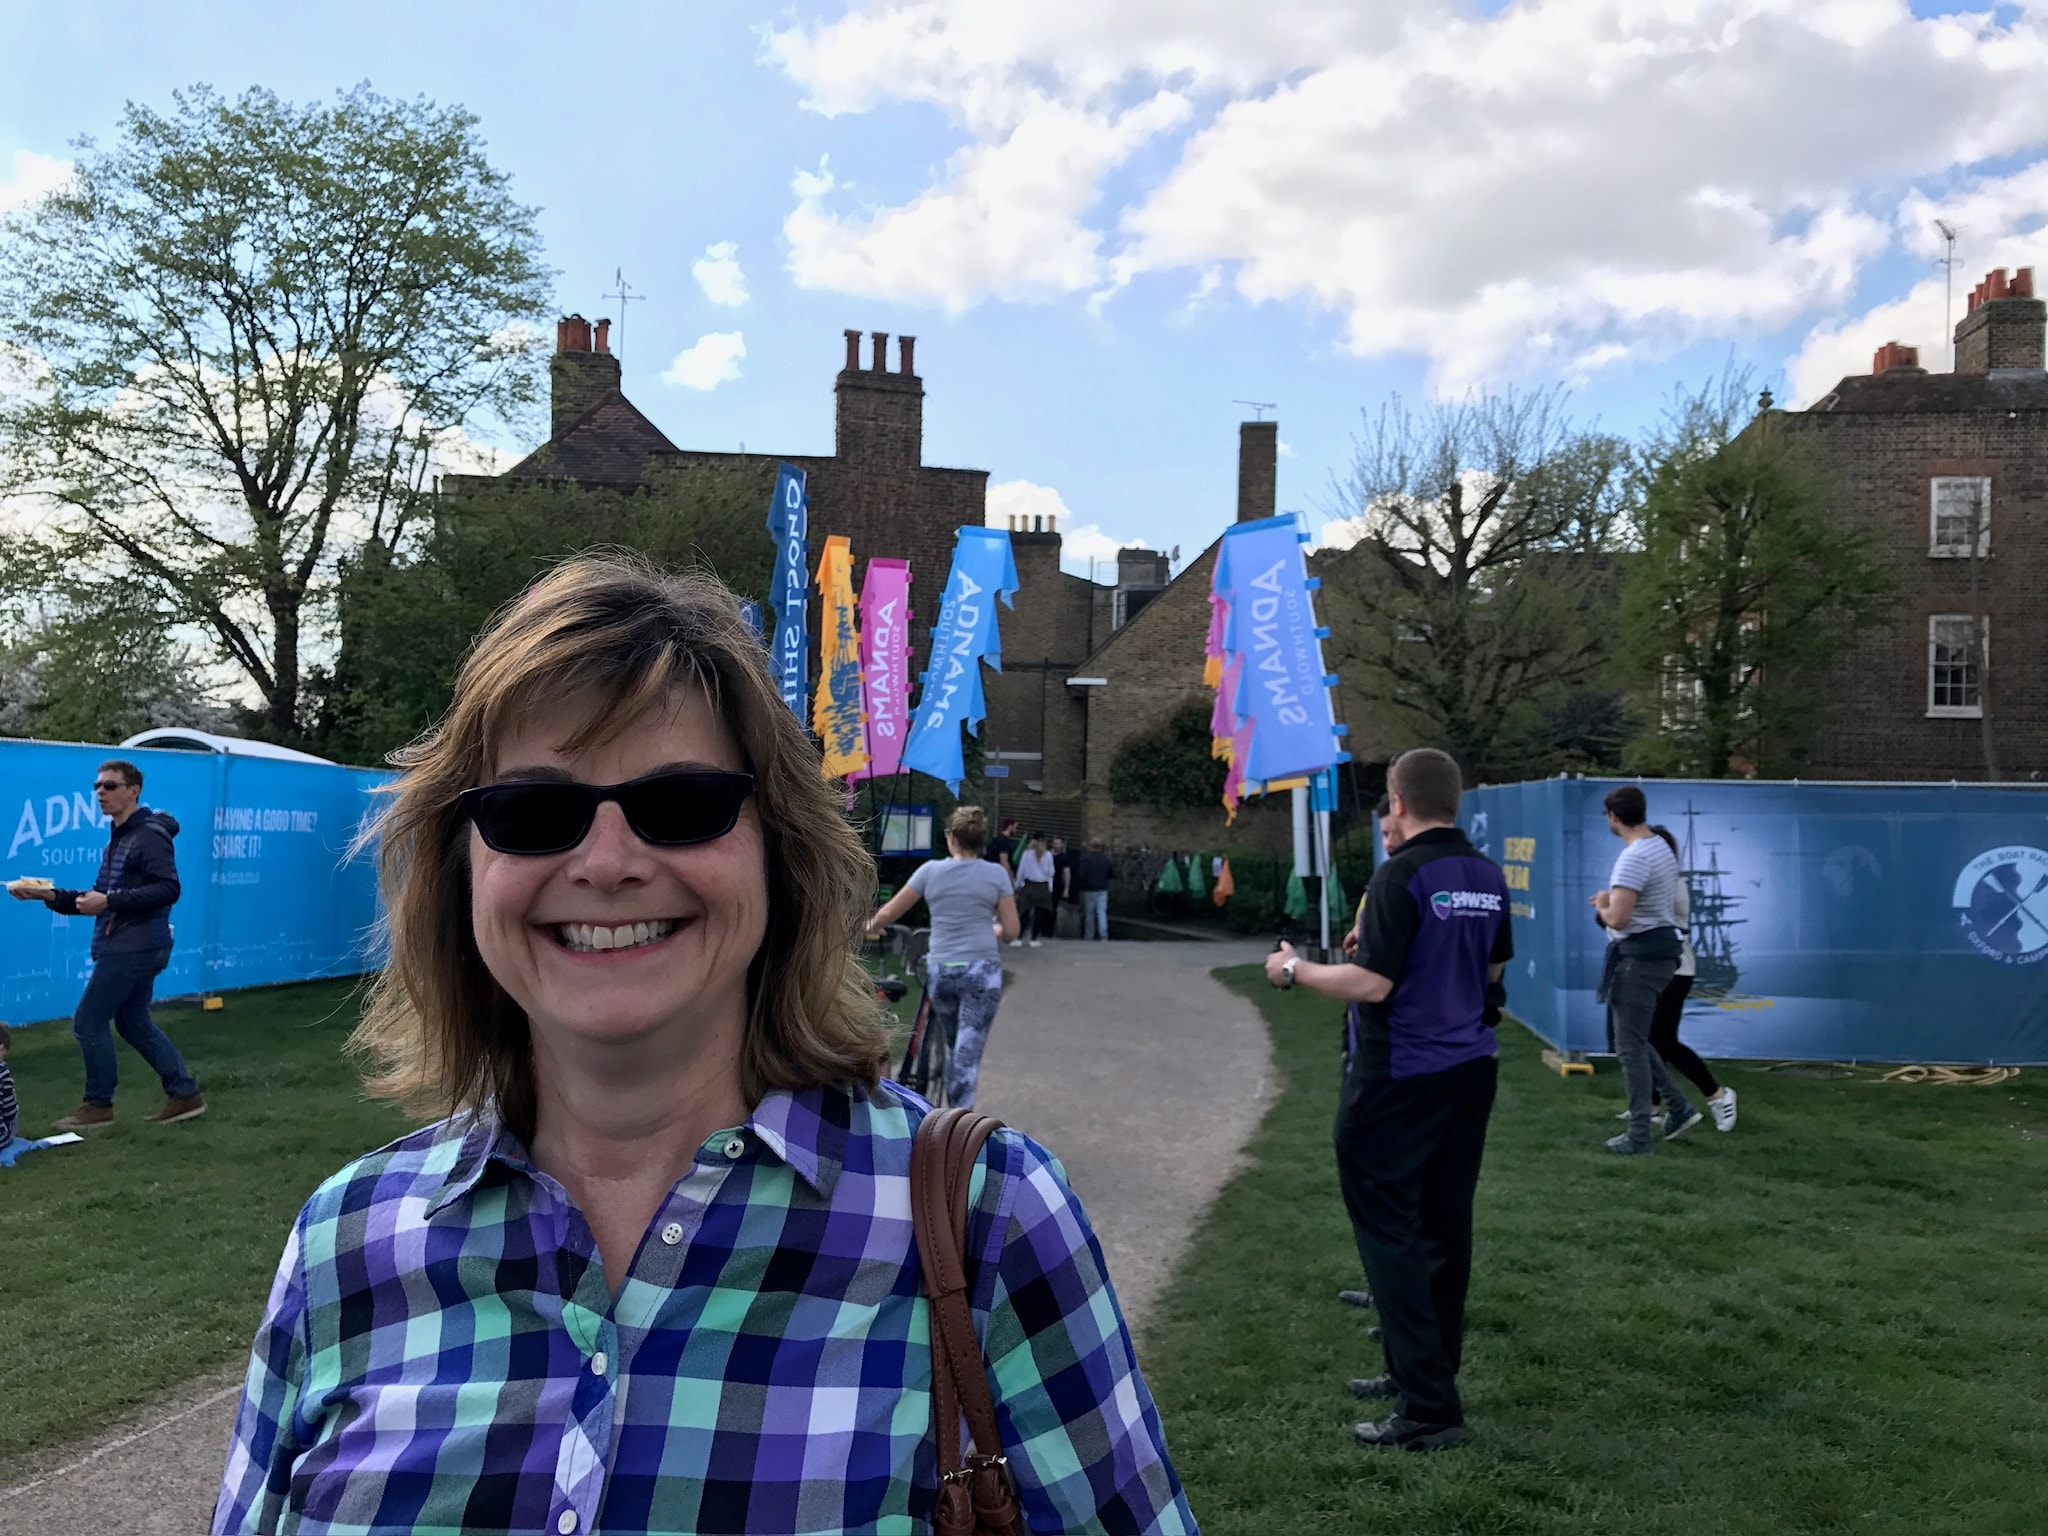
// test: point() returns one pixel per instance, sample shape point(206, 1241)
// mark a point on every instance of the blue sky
point(1107, 221)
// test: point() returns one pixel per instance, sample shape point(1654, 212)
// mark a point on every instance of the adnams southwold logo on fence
point(58, 814)
point(2001, 900)
point(1449, 904)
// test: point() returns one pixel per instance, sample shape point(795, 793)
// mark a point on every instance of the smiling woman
point(655, 1271)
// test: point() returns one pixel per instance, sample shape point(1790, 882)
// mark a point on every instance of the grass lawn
point(1830, 1320)
point(144, 1256)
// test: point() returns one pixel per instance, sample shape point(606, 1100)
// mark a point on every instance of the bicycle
point(924, 1054)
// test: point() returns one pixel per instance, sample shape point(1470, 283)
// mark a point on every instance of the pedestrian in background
point(1002, 848)
point(1412, 1116)
point(1639, 910)
point(1062, 884)
point(972, 906)
point(1034, 889)
point(1671, 1009)
point(130, 906)
point(1093, 872)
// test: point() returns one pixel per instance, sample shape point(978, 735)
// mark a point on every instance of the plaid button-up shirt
point(441, 1351)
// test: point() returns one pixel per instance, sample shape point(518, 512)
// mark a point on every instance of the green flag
point(1334, 900)
point(1170, 882)
point(1198, 883)
point(1297, 900)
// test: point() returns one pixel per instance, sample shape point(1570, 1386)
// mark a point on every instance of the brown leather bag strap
point(942, 1158)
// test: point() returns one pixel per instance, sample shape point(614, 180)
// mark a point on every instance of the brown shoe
point(87, 1117)
point(191, 1107)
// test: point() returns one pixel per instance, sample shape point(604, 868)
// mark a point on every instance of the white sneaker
point(1722, 1107)
point(1035, 943)
point(1016, 943)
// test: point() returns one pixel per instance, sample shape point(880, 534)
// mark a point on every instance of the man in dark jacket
point(130, 907)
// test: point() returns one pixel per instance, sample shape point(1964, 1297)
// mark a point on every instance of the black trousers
point(1664, 1036)
point(1408, 1155)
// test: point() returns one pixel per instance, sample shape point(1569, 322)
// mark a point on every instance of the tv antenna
point(625, 295)
point(1947, 263)
point(1261, 406)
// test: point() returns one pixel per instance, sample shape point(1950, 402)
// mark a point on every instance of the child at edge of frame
point(10, 1108)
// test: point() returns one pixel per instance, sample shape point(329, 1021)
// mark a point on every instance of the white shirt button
point(598, 1363)
point(735, 1147)
point(672, 1233)
point(567, 1523)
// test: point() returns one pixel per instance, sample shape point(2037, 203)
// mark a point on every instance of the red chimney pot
point(601, 342)
point(881, 364)
point(572, 334)
point(1894, 355)
point(906, 346)
point(2023, 283)
point(852, 350)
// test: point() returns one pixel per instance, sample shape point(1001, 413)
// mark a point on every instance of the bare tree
point(1486, 531)
point(249, 327)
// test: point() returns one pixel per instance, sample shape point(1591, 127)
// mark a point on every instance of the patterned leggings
point(965, 997)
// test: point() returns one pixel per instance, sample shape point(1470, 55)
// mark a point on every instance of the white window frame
point(1935, 623)
point(1958, 547)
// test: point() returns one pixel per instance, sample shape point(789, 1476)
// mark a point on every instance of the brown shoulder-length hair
point(438, 1032)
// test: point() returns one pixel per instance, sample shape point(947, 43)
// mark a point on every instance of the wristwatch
point(1287, 968)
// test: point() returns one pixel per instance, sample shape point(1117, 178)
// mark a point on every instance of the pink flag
point(1212, 647)
point(885, 664)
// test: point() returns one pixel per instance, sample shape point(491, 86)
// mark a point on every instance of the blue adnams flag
point(789, 518)
point(965, 636)
point(1282, 687)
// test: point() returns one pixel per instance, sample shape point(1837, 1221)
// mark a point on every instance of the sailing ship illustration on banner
point(1713, 927)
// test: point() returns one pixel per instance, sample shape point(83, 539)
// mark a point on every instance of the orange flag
point(1225, 887)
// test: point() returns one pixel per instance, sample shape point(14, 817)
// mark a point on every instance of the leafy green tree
point(408, 618)
point(1746, 587)
point(252, 329)
point(97, 661)
point(1168, 765)
point(1485, 558)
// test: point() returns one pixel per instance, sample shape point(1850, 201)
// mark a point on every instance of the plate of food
point(30, 885)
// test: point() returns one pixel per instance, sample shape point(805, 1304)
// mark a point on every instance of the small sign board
point(996, 771)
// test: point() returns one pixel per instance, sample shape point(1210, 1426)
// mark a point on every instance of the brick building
point(1924, 459)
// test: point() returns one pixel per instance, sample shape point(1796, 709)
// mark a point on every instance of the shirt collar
point(1436, 835)
point(809, 1129)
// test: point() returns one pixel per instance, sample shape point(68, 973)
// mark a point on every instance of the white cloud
point(32, 176)
point(708, 362)
point(718, 273)
point(1560, 186)
point(1085, 550)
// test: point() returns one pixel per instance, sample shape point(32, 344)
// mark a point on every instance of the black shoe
point(1372, 1386)
point(1355, 1298)
point(1399, 1434)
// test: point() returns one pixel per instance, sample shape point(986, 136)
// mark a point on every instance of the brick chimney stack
point(880, 415)
point(1258, 469)
point(581, 373)
point(1894, 355)
point(2005, 327)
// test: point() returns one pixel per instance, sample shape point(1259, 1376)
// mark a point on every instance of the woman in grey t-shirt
point(972, 908)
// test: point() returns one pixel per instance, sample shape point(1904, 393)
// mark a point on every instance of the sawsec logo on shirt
point(1449, 904)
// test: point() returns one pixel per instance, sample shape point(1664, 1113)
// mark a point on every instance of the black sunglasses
point(669, 810)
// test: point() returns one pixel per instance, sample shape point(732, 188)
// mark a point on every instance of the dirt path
point(1141, 1073)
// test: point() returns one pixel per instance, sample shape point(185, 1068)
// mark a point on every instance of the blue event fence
point(270, 892)
point(1835, 922)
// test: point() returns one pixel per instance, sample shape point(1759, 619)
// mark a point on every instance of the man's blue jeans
point(118, 993)
point(1095, 914)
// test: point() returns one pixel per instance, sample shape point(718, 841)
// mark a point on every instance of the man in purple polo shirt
point(1411, 1120)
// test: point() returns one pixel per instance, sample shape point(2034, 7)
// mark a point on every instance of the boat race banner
point(789, 516)
point(1833, 922)
point(1269, 623)
point(270, 892)
point(984, 570)
point(836, 713)
point(885, 664)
